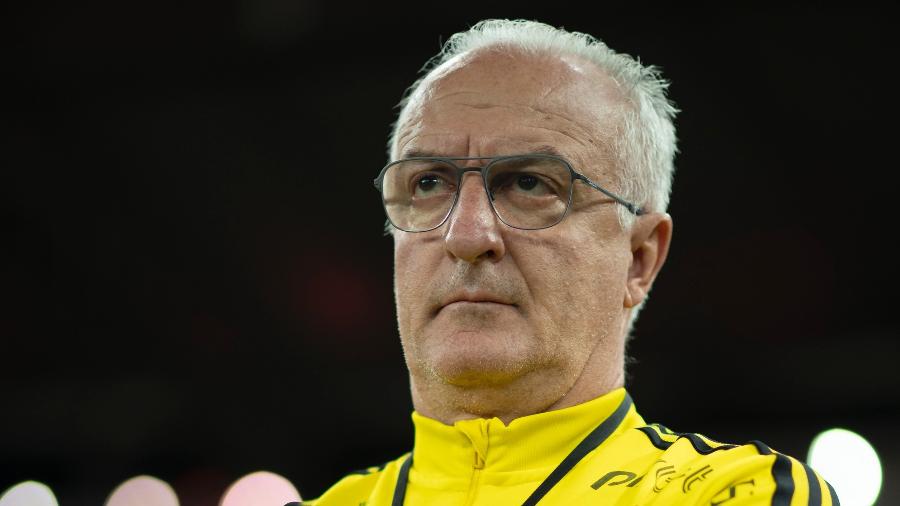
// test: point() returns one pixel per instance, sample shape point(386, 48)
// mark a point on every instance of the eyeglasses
point(528, 192)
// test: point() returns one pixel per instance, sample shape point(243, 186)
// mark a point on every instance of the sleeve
point(756, 475)
point(361, 487)
point(352, 489)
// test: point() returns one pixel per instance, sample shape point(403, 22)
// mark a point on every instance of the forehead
point(494, 102)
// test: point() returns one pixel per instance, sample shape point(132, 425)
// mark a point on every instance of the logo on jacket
point(662, 477)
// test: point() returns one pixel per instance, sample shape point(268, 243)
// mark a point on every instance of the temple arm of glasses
point(635, 210)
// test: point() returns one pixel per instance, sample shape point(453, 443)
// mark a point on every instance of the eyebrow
point(545, 149)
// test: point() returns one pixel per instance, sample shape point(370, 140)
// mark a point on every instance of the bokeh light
point(260, 489)
point(143, 491)
point(28, 493)
point(847, 461)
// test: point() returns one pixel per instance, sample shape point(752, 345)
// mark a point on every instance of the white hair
point(645, 146)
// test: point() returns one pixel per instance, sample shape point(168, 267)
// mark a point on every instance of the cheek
point(579, 288)
point(402, 277)
point(410, 285)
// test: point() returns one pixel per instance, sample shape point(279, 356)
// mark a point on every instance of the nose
point(473, 232)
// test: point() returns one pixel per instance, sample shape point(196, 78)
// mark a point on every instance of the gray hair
point(645, 146)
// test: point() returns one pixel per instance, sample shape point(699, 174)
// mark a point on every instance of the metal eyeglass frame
point(576, 176)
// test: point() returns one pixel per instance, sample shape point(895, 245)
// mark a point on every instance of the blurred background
point(195, 284)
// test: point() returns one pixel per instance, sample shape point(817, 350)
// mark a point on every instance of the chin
point(469, 359)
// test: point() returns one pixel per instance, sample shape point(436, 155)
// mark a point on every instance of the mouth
point(475, 303)
point(474, 300)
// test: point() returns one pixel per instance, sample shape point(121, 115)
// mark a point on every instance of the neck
point(534, 392)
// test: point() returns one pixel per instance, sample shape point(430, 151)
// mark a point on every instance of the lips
point(474, 298)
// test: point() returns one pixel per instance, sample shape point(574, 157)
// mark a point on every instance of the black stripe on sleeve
point(664, 430)
point(815, 491)
point(369, 470)
point(702, 447)
point(834, 498)
point(784, 482)
point(654, 438)
point(761, 447)
point(697, 442)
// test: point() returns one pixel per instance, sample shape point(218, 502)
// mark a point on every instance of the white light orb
point(143, 491)
point(260, 489)
point(28, 493)
point(849, 463)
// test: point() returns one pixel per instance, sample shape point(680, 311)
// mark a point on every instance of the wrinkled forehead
point(563, 95)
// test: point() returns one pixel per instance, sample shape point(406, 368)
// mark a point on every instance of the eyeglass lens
point(525, 192)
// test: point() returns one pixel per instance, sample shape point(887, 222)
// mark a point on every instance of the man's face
point(481, 304)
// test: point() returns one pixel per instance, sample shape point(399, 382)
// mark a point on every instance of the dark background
point(195, 284)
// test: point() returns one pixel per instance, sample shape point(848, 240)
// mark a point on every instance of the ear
point(651, 235)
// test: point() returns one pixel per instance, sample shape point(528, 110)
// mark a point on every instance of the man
point(530, 174)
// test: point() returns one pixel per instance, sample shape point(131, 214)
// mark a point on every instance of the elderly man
point(530, 174)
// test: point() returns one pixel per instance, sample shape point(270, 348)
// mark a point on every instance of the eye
point(429, 184)
point(523, 184)
point(527, 182)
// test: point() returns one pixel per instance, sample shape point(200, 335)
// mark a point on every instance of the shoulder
point(692, 468)
point(359, 486)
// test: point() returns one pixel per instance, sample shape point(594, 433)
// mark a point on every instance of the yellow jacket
point(600, 452)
